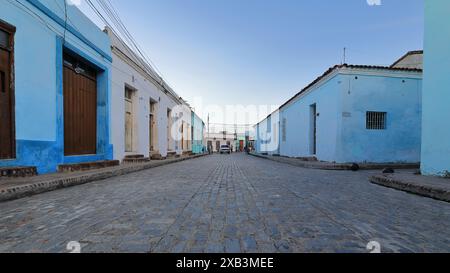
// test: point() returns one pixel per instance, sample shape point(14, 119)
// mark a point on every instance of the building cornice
point(124, 57)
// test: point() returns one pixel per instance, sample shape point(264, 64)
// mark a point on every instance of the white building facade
point(215, 140)
point(144, 108)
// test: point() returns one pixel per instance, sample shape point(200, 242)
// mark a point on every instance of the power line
point(119, 27)
point(112, 19)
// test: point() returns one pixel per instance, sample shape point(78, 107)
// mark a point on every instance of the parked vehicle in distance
point(225, 149)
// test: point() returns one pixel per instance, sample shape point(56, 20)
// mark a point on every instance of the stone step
point(171, 154)
point(308, 158)
point(134, 156)
point(135, 160)
point(87, 166)
point(157, 157)
point(20, 171)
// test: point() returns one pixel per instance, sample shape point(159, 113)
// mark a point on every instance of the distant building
point(142, 107)
point(215, 140)
point(55, 80)
point(352, 113)
point(436, 90)
point(412, 59)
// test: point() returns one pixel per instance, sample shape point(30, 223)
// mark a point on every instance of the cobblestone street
point(228, 203)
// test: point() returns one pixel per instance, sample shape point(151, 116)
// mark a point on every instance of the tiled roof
point(332, 69)
point(414, 52)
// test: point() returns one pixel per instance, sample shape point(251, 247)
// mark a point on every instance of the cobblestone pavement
point(229, 203)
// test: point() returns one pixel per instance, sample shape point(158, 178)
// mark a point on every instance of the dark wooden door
point(80, 112)
point(7, 142)
point(313, 143)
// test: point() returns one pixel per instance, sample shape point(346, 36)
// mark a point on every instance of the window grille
point(376, 120)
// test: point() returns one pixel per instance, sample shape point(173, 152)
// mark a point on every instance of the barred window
point(376, 120)
point(283, 130)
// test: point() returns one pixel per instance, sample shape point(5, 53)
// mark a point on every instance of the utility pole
point(345, 55)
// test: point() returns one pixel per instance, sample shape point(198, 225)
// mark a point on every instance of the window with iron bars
point(376, 120)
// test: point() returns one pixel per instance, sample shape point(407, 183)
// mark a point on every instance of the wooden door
point(7, 136)
point(128, 126)
point(152, 127)
point(129, 120)
point(169, 130)
point(151, 131)
point(80, 109)
point(313, 130)
point(182, 135)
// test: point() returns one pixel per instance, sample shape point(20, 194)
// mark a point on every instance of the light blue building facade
point(436, 89)
point(198, 134)
point(361, 114)
point(42, 40)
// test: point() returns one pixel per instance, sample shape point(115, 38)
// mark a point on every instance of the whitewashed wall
point(125, 73)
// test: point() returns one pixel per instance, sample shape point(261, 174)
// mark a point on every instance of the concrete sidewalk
point(334, 166)
point(432, 187)
point(16, 188)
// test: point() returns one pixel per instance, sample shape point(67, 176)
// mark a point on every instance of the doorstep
point(86, 166)
point(16, 188)
point(311, 163)
point(9, 172)
point(432, 187)
point(133, 159)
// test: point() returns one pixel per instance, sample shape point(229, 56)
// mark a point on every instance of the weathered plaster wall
point(342, 100)
point(38, 79)
point(126, 73)
point(399, 95)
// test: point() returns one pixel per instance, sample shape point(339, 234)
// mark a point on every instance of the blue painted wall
point(436, 89)
point(397, 94)
point(39, 44)
point(298, 125)
point(342, 100)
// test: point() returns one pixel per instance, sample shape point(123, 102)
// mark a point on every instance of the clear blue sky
point(264, 51)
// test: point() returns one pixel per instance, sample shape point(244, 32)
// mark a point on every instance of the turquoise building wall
point(198, 127)
point(436, 89)
point(39, 43)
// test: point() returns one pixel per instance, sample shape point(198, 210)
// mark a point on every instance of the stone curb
point(414, 188)
point(334, 166)
point(26, 190)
